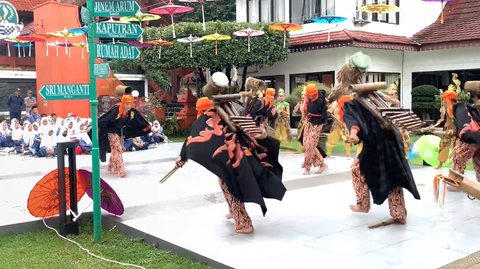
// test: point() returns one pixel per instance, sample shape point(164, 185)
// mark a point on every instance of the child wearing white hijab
point(17, 135)
point(48, 143)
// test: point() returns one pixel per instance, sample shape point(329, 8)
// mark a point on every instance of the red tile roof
point(356, 38)
point(461, 23)
point(26, 5)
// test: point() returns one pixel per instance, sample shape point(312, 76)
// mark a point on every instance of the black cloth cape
point(317, 111)
point(247, 177)
point(465, 114)
point(132, 126)
point(382, 159)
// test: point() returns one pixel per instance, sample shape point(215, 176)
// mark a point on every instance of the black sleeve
point(183, 152)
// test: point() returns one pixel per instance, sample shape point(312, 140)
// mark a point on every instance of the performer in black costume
point(247, 168)
point(121, 122)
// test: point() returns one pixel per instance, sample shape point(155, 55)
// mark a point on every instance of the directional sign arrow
point(117, 30)
point(65, 91)
point(111, 8)
point(117, 51)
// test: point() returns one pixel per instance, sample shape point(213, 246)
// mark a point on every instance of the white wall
point(437, 60)
point(414, 16)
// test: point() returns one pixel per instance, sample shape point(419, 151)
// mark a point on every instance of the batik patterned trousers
point(311, 136)
point(396, 201)
point(464, 152)
point(236, 208)
point(115, 164)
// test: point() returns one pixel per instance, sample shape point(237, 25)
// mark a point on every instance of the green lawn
point(44, 249)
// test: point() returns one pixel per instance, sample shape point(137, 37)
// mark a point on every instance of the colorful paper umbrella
point(44, 200)
point(23, 46)
point(329, 19)
point(65, 34)
point(285, 27)
point(82, 45)
point(190, 39)
point(442, 3)
point(217, 37)
point(140, 17)
point(79, 31)
point(249, 33)
point(202, 3)
point(380, 8)
point(160, 43)
point(53, 44)
point(171, 9)
point(109, 199)
point(19, 44)
point(66, 45)
point(139, 44)
point(31, 38)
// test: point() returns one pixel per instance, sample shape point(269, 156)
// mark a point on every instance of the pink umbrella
point(202, 2)
point(249, 33)
point(171, 9)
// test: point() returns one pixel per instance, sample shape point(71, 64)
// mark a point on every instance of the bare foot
point(401, 221)
point(322, 168)
point(229, 216)
point(438, 166)
point(244, 230)
point(306, 172)
point(122, 174)
point(359, 209)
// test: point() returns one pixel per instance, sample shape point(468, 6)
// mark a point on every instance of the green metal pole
point(92, 55)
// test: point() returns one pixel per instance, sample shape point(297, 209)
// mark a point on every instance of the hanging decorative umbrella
point(285, 27)
point(82, 45)
point(65, 34)
point(160, 43)
point(139, 44)
point(202, 3)
point(380, 8)
point(190, 39)
point(23, 45)
point(19, 44)
point(329, 19)
point(44, 200)
point(55, 44)
point(171, 9)
point(140, 18)
point(66, 45)
point(109, 199)
point(79, 31)
point(32, 38)
point(442, 2)
point(217, 37)
point(249, 33)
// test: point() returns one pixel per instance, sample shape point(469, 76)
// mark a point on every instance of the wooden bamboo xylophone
point(378, 106)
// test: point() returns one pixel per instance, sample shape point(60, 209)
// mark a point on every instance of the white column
point(287, 84)
point(287, 17)
point(145, 87)
point(241, 6)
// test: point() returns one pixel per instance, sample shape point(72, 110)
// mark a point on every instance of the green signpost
point(117, 30)
point(105, 8)
point(114, 8)
point(117, 51)
point(65, 91)
point(101, 70)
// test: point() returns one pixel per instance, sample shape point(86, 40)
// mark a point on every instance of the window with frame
point(265, 10)
point(392, 18)
point(304, 11)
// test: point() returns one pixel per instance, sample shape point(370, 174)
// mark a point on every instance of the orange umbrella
point(44, 199)
point(285, 27)
point(160, 42)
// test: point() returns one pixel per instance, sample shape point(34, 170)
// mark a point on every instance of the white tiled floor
point(311, 228)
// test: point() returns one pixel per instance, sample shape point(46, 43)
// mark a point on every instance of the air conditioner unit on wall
point(362, 17)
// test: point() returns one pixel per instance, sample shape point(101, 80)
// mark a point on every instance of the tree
point(224, 10)
point(265, 50)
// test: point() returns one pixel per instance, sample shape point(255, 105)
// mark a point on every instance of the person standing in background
point(30, 101)
point(15, 103)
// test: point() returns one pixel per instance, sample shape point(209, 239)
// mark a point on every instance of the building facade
point(410, 46)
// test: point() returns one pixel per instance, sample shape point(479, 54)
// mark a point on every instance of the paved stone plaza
point(311, 228)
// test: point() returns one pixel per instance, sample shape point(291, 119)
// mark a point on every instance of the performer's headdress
point(311, 90)
point(281, 92)
point(360, 61)
point(126, 99)
point(203, 104)
point(269, 97)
